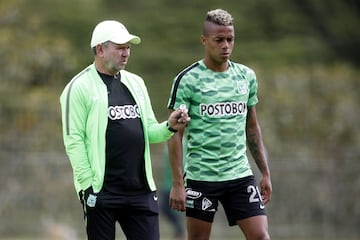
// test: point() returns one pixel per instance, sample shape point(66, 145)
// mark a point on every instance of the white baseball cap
point(114, 31)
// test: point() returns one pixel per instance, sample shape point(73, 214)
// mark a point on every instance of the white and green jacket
point(84, 106)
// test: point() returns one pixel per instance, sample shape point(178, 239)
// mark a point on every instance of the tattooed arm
point(257, 150)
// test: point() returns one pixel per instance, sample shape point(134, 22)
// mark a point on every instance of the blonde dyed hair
point(220, 17)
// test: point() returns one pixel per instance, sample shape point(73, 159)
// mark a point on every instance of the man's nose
point(125, 52)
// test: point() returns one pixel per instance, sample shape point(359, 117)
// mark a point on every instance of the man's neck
point(216, 67)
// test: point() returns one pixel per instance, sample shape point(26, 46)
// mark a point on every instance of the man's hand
point(179, 118)
point(265, 189)
point(177, 198)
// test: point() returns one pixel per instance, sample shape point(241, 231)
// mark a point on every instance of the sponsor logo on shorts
point(190, 203)
point(155, 197)
point(206, 204)
point(192, 194)
point(91, 201)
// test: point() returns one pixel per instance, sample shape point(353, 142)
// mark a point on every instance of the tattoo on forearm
point(257, 151)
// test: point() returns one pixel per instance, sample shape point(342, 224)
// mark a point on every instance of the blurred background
point(306, 55)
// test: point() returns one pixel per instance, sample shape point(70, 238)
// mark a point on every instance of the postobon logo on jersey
point(123, 112)
point(223, 109)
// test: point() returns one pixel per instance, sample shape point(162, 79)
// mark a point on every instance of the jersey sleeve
point(180, 92)
point(74, 112)
point(253, 88)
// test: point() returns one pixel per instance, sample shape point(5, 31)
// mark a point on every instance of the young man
point(220, 96)
point(108, 124)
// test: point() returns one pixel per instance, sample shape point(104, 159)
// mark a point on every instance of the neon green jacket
point(84, 110)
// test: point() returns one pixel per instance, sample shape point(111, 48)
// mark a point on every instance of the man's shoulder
point(190, 70)
point(241, 66)
point(80, 81)
point(130, 75)
point(83, 75)
point(243, 69)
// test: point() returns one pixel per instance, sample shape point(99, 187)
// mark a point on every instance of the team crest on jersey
point(242, 87)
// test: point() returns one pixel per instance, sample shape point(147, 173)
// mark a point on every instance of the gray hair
point(105, 44)
point(220, 17)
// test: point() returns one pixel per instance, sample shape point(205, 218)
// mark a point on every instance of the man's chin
point(120, 67)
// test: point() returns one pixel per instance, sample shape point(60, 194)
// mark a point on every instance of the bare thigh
point(198, 229)
point(255, 228)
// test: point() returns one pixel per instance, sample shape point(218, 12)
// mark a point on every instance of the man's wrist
point(179, 183)
point(170, 128)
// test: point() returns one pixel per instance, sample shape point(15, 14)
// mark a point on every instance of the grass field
point(220, 231)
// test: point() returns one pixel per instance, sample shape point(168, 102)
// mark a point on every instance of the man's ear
point(202, 39)
point(99, 49)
